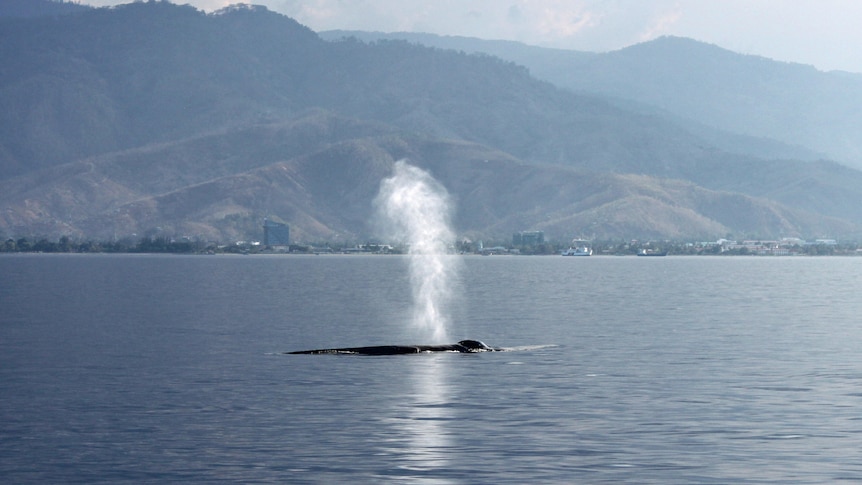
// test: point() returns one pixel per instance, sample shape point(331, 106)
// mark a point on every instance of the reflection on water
point(420, 420)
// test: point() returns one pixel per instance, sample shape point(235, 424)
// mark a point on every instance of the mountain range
point(157, 119)
point(813, 114)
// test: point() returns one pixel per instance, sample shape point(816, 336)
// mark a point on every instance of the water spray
point(415, 209)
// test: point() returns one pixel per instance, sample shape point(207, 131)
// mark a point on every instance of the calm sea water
point(630, 370)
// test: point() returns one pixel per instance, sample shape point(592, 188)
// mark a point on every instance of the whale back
point(464, 346)
point(474, 345)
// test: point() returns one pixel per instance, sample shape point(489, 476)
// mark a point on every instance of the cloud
point(556, 23)
point(662, 25)
point(205, 5)
point(529, 21)
point(312, 13)
point(514, 15)
point(824, 33)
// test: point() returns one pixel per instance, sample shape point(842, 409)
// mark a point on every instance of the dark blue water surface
point(663, 370)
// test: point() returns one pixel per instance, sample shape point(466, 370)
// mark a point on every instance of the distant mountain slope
point(140, 73)
point(118, 78)
point(322, 172)
point(544, 63)
point(741, 94)
point(38, 8)
point(745, 94)
point(155, 118)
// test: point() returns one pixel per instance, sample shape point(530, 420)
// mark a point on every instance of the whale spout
point(464, 346)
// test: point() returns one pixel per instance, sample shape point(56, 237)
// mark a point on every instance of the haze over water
point(130, 368)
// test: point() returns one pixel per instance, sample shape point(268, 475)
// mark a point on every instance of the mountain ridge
point(200, 125)
point(745, 95)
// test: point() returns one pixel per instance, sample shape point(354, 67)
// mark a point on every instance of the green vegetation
point(66, 245)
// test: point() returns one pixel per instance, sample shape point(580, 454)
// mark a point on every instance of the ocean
point(162, 368)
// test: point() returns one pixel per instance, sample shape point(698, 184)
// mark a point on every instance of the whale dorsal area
point(464, 346)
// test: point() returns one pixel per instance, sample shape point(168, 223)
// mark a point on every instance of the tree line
point(67, 245)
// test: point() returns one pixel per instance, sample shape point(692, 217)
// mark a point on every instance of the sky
point(822, 33)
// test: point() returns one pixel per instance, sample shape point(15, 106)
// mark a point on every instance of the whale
point(464, 347)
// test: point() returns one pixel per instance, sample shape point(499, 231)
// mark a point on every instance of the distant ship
point(652, 252)
point(578, 251)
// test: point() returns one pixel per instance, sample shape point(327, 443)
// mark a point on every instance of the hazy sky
point(823, 33)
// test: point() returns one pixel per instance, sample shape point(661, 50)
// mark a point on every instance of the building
point(528, 238)
point(275, 233)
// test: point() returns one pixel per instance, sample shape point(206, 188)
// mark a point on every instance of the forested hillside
point(38, 8)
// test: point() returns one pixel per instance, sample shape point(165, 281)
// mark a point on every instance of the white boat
point(578, 251)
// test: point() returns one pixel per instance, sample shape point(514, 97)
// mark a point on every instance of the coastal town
point(531, 243)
